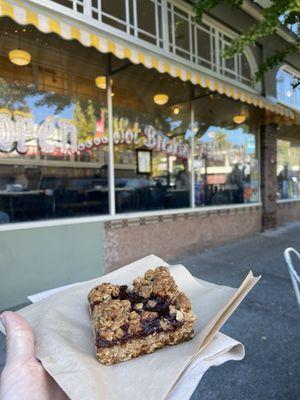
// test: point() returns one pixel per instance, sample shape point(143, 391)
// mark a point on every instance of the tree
point(85, 121)
point(276, 14)
point(14, 95)
point(220, 139)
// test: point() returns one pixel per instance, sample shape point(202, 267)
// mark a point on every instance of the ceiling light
point(176, 110)
point(100, 82)
point(19, 57)
point(239, 119)
point(161, 99)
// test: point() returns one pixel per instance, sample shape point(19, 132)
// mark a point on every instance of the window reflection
point(150, 146)
point(54, 136)
point(52, 122)
point(226, 162)
point(288, 169)
point(286, 92)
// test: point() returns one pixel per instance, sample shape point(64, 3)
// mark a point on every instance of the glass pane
point(203, 44)
point(226, 160)
point(114, 8)
point(229, 64)
point(148, 28)
point(146, 16)
point(285, 90)
point(182, 40)
point(288, 169)
point(246, 70)
point(151, 141)
point(76, 5)
point(112, 13)
point(53, 130)
point(114, 23)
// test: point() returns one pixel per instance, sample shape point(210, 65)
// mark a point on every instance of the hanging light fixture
point(176, 110)
point(239, 119)
point(18, 56)
point(100, 82)
point(160, 99)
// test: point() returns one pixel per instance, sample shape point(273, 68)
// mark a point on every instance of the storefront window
point(288, 169)
point(53, 159)
point(226, 159)
point(286, 91)
point(151, 148)
point(54, 135)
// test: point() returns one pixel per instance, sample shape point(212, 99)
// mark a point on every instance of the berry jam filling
point(149, 326)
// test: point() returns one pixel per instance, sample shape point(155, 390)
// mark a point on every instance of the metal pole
point(192, 174)
point(111, 167)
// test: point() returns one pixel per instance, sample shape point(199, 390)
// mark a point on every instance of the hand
point(23, 376)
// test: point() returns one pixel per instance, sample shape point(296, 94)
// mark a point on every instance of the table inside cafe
point(17, 203)
point(57, 198)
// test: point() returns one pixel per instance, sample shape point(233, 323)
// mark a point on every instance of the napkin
point(64, 340)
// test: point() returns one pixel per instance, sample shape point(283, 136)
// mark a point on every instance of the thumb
point(19, 339)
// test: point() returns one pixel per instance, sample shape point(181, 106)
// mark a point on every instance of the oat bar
point(128, 322)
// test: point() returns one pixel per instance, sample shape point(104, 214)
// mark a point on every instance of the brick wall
point(268, 175)
point(288, 212)
point(174, 235)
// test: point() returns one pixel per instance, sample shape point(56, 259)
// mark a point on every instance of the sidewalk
point(267, 322)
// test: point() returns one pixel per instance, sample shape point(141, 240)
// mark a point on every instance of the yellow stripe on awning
point(24, 15)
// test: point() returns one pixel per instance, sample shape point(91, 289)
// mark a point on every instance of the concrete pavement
point(267, 322)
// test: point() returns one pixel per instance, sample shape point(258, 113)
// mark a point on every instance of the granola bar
point(131, 321)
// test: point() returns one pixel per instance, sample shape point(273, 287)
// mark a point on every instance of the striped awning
point(47, 22)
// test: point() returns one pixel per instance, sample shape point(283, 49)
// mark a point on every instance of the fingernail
point(2, 319)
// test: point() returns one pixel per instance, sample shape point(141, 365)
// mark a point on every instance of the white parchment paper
point(64, 341)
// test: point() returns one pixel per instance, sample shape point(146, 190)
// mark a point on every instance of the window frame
point(294, 74)
point(163, 43)
point(112, 211)
point(113, 215)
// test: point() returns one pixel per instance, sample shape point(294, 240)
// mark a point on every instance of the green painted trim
point(38, 259)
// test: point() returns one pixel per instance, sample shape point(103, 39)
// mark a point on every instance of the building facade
point(124, 132)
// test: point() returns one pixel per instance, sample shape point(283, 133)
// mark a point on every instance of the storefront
point(134, 143)
point(175, 145)
point(288, 168)
point(288, 175)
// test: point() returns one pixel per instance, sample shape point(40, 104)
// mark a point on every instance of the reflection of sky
point(236, 136)
point(41, 112)
point(174, 124)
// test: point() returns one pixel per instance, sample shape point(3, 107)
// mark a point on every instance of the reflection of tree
point(216, 147)
point(295, 156)
point(288, 155)
point(14, 95)
point(283, 150)
point(85, 121)
point(221, 139)
point(52, 99)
